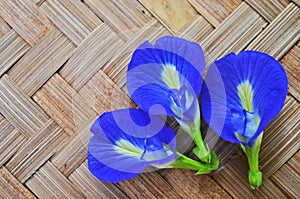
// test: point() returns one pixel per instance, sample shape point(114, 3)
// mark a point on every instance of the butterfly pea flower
point(240, 96)
point(165, 79)
point(125, 142)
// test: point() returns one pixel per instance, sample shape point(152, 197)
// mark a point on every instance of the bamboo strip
point(291, 63)
point(48, 182)
point(234, 179)
point(294, 162)
point(12, 48)
point(92, 54)
point(197, 30)
point(297, 2)
point(288, 180)
point(281, 138)
point(97, 71)
point(234, 34)
point(184, 144)
point(90, 187)
point(122, 16)
point(11, 188)
point(191, 186)
point(74, 152)
point(148, 185)
point(63, 104)
point(20, 110)
point(4, 27)
point(36, 151)
point(279, 37)
point(26, 19)
point(116, 68)
point(102, 95)
point(42, 61)
point(215, 11)
point(223, 149)
point(74, 19)
point(268, 9)
point(39, 2)
point(10, 141)
point(173, 14)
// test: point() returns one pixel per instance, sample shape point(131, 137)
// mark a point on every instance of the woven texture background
point(63, 62)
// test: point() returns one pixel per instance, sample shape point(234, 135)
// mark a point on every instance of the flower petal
point(252, 81)
point(108, 165)
point(115, 154)
point(156, 72)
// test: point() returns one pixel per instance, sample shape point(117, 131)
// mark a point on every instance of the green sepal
point(255, 179)
point(202, 154)
point(201, 151)
point(252, 153)
point(209, 160)
point(184, 162)
point(212, 166)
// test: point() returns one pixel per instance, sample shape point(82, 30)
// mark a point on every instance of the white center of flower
point(170, 77)
point(250, 123)
point(181, 93)
point(247, 121)
point(149, 153)
point(156, 154)
point(126, 148)
point(245, 93)
point(182, 101)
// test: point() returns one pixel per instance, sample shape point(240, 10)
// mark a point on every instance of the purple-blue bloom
point(118, 152)
point(165, 78)
point(254, 86)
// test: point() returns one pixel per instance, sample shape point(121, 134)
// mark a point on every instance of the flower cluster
point(240, 95)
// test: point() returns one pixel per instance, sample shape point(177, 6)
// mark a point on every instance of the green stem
point(252, 153)
point(209, 158)
point(184, 162)
point(200, 150)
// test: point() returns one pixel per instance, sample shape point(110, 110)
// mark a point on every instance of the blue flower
point(241, 94)
point(165, 78)
point(125, 142)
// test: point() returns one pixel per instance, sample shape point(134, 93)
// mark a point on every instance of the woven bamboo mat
point(63, 62)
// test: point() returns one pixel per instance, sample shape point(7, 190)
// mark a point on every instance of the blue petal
point(116, 154)
point(109, 166)
point(156, 72)
point(253, 83)
point(188, 57)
